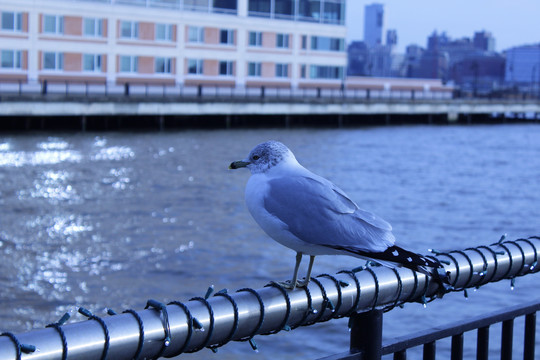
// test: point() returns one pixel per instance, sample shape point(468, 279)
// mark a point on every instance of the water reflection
point(115, 153)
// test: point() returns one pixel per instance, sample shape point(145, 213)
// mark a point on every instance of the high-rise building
point(484, 40)
point(391, 38)
point(373, 24)
point(290, 43)
point(359, 59)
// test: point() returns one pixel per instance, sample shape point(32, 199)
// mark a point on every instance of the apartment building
point(277, 43)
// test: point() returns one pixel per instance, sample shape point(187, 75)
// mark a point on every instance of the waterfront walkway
point(82, 107)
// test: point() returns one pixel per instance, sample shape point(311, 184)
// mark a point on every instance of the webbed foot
point(290, 286)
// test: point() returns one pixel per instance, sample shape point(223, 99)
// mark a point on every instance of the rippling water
point(112, 219)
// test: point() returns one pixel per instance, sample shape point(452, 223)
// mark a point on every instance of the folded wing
point(319, 213)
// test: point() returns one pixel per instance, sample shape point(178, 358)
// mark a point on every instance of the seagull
point(310, 215)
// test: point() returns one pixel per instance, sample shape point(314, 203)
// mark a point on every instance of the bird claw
point(290, 286)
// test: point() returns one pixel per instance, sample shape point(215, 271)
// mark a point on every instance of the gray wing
point(318, 212)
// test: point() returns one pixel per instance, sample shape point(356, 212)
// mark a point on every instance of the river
point(109, 220)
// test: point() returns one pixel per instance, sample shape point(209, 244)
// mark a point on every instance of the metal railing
point(140, 90)
point(366, 345)
point(212, 321)
point(73, 90)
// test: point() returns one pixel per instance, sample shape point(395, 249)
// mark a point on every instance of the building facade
point(523, 65)
point(279, 43)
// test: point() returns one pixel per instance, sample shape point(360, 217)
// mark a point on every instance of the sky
point(512, 22)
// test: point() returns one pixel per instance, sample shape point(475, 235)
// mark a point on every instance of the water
point(110, 220)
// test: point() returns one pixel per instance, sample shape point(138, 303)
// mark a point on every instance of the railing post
point(429, 351)
point(366, 334)
point(507, 339)
point(530, 336)
point(456, 352)
point(482, 343)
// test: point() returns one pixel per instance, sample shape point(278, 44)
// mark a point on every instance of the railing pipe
point(224, 317)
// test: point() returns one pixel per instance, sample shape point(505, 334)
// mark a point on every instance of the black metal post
point(482, 343)
point(366, 334)
point(507, 339)
point(44, 87)
point(429, 351)
point(199, 91)
point(126, 89)
point(400, 355)
point(457, 347)
point(530, 336)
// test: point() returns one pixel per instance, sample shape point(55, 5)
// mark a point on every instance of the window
point(196, 34)
point(326, 72)
point(129, 64)
point(92, 62)
point(323, 43)
point(164, 32)
point(254, 69)
point(304, 42)
point(11, 21)
point(226, 36)
point(53, 61)
point(224, 5)
point(303, 71)
point(310, 10)
point(255, 38)
point(129, 29)
point(53, 24)
point(195, 66)
point(93, 27)
point(226, 68)
point(282, 41)
point(284, 8)
point(198, 5)
point(259, 6)
point(334, 12)
point(162, 65)
point(10, 59)
point(282, 70)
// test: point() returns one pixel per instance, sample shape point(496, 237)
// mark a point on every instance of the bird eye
point(256, 157)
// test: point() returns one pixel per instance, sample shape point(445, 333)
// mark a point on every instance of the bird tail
point(405, 258)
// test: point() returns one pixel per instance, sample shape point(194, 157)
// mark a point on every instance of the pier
point(75, 106)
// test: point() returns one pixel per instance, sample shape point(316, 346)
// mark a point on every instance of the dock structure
point(83, 107)
point(362, 294)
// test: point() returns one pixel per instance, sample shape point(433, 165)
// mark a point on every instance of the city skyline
point(511, 23)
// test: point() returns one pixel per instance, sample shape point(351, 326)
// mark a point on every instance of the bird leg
point(291, 284)
point(305, 282)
